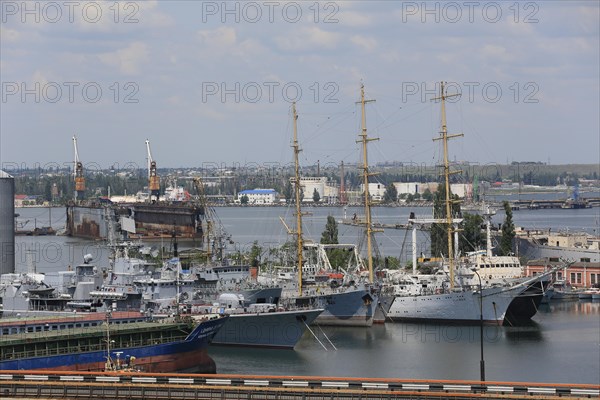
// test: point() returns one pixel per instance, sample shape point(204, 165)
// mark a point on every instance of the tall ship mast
point(346, 305)
point(459, 296)
point(364, 139)
point(444, 138)
point(298, 232)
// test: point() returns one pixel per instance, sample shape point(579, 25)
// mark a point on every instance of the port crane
point(153, 178)
point(78, 173)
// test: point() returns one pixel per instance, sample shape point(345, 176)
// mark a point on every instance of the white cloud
point(354, 19)
point(496, 52)
point(128, 59)
point(308, 38)
point(221, 37)
point(367, 43)
point(9, 35)
point(40, 77)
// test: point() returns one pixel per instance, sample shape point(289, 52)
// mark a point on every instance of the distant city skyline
point(212, 82)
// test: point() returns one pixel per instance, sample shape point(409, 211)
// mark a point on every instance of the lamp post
point(482, 361)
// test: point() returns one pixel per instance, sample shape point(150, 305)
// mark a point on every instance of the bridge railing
point(151, 385)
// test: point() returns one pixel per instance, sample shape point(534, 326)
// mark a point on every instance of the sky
point(210, 83)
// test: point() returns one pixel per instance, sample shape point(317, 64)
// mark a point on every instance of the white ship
point(482, 287)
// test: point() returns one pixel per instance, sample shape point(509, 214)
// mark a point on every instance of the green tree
point(427, 195)
point(391, 194)
point(48, 191)
point(244, 199)
point(316, 196)
point(330, 234)
point(288, 192)
point(337, 257)
point(255, 253)
point(508, 231)
point(472, 237)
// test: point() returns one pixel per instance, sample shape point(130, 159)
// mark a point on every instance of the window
point(572, 277)
point(593, 279)
point(579, 277)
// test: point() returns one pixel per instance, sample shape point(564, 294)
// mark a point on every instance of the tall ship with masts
point(454, 293)
point(350, 302)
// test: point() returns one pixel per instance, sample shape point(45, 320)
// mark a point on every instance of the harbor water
point(561, 345)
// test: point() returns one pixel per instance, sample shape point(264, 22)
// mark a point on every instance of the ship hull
point(282, 329)
point(345, 308)
point(189, 355)
point(526, 305)
point(455, 307)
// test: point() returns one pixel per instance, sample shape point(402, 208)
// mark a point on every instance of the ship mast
point(444, 138)
point(299, 241)
point(364, 140)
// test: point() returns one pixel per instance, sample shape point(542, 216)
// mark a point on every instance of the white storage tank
point(7, 223)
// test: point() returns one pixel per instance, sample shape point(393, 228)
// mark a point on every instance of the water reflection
point(581, 307)
point(236, 360)
point(530, 332)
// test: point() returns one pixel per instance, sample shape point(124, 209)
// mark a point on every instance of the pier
point(126, 385)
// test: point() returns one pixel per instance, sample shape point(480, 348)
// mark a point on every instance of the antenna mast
point(444, 138)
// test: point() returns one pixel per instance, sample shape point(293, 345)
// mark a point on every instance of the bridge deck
point(121, 385)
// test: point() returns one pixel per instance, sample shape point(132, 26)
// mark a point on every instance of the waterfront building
point(580, 274)
point(328, 193)
point(376, 190)
point(258, 196)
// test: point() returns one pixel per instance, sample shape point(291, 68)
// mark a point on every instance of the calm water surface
point(562, 345)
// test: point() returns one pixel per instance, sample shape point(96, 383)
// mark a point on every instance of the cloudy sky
point(212, 82)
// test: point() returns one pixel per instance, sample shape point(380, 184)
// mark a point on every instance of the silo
point(7, 223)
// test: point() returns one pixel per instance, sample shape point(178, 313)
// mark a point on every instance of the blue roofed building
point(258, 196)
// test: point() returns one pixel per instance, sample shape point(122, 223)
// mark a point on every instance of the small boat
point(563, 291)
point(589, 294)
